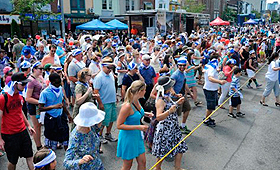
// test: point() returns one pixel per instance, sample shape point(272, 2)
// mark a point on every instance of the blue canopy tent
point(117, 24)
point(250, 21)
point(95, 25)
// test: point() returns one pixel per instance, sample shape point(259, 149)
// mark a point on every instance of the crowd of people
point(72, 87)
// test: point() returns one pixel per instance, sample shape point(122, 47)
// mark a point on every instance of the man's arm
point(101, 106)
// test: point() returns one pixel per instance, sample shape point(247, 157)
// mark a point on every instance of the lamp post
point(63, 20)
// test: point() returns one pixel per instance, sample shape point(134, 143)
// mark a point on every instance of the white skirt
point(250, 73)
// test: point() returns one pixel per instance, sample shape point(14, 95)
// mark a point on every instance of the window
point(82, 4)
point(110, 4)
point(77, 5)
point(74, 4)
point(160, 5)
point(127, 6)
point(132, 5)
point(104, 4)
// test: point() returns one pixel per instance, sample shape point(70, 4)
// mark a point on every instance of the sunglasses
point(182, 65)
point(40, 68)
point(110, 67)
point(53, 51)
point(59, 72)
point(22, 83)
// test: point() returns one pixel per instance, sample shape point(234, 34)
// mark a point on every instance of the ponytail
point(134, 88)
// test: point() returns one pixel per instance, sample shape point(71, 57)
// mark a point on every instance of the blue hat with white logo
point(26, 51)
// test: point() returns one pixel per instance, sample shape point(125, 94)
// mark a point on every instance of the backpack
point(6, 101)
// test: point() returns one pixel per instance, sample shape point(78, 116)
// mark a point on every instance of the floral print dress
point(80, 145)
point(167, 135)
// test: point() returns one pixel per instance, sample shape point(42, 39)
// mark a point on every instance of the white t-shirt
point(155, 63)
point(271, 74)
point(208, 85)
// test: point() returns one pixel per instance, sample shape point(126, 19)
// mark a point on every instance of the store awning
point(95, 25)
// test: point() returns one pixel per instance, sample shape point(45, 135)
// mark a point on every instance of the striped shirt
point(235, 84)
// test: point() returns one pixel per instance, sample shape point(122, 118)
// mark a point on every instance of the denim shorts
point(211, 99)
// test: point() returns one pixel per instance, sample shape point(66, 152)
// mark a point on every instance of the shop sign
point(78, 20)
point(7, 19)
point(44, 17)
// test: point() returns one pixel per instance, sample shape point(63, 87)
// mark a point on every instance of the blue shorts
point(211, 99)
point(110, 110)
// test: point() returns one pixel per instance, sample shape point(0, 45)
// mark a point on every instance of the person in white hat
point(84, 142)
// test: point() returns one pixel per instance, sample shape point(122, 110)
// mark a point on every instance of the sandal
point(277, 104)
point(197, 103)
point(2, 154)
point(264, 104)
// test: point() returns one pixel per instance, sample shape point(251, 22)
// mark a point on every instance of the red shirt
point(226, 70)
point(13, 121)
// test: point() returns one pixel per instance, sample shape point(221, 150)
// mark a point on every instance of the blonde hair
point(83, 73)
point(134, 88)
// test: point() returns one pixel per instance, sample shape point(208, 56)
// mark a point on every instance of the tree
point(258, 15)
point(274, 16)
point(194, 6)
point(15, 30)
point(229, 15)
point(34, 7)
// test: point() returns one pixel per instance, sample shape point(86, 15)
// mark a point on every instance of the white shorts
point(250, 73)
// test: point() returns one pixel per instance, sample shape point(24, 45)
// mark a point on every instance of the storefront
point(73, 20)
point(5, 23)
point(45, 25)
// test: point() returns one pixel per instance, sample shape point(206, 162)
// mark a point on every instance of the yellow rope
point(203, 121)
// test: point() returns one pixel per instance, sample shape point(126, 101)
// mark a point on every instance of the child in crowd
point(235, 91)
point(44, 159)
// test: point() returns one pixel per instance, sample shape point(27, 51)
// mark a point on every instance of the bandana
point(9, 88)
point(56, 90)
point(46, 161)
point(213, 63)
point(85, 84)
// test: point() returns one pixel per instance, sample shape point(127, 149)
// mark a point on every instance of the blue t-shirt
point(179, 78)
point(105, 84)
point(147, 73)
point(48, 98)
point(59, 52)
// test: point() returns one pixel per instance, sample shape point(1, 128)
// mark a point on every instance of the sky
point(270, 1)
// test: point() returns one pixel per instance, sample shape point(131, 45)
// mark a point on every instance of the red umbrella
point(219, 21)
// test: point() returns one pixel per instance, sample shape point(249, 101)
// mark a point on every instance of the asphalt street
point(249, 143)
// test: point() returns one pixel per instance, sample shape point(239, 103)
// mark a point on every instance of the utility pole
point(63, 19)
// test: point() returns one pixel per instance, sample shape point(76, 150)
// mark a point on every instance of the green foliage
point(274, 17)
point(194, 6)
point(15, 30)
point(34, 7)
point(258, 15)
point(229, 15)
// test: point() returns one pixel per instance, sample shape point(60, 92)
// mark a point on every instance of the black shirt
point(128, 79)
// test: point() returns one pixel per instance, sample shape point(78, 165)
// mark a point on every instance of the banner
point(161, 22)
point(7, 19)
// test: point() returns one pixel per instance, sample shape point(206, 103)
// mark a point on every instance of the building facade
point(257, 5)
